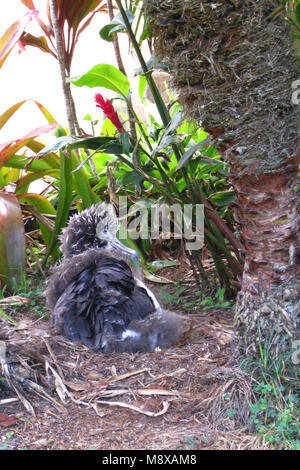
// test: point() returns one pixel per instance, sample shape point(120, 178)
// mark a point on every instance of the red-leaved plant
point(12, 241)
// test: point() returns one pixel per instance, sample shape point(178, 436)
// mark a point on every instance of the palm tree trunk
point(233, 67)
point(268, 304)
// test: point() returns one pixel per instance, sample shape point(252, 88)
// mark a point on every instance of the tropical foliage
point(168, 160)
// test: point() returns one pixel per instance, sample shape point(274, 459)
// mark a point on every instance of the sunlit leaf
point(29, 4)
point(9, 112)
point(13, 34)
point(106, 76)
point(8, 149)
point(58, 144)
point(117, 24)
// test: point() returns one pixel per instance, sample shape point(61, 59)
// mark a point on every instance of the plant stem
point(69, 104)
point(164, 114)
point(122, 69)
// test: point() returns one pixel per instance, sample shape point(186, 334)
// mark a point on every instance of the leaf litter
point(60, 395)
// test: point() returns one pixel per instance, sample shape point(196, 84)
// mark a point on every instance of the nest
point(232, 67)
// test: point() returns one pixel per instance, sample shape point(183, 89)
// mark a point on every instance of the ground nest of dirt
point(55, 394)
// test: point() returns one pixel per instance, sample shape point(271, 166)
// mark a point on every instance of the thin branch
point(63, 68)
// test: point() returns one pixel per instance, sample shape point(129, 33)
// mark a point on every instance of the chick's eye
point(105, 228)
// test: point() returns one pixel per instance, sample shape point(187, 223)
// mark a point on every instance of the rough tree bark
point(233, 66)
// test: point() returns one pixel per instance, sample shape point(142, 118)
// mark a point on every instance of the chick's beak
point(117, 245)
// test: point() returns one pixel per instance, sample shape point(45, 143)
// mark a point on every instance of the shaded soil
point(68, 397)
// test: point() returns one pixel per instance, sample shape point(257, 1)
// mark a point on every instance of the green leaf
point(174, 123)
point(142, 87)
point(190, 152)
point(43, 206)
point(298, 15)
point(21, 162)
point(103, 144)
point(60, 143)
point(223, 198)
point(159, 264)
point(133, 177)
point(23, 182)
point(117, 24)
point(7, 317)
point(154, 278)
point(82, 184)
point(106, 76)
point(64, 202)
point(124, 138)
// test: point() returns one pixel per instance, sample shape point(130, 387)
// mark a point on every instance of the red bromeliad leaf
point(8, 149)
point(13, 34)
point(12, 240)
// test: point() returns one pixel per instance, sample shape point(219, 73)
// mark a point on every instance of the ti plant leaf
point(12, 241)
point(9, 39)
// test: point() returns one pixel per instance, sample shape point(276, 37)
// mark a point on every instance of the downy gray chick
point(95, 298)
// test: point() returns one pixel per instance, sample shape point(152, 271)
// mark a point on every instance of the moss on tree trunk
point(233, 67)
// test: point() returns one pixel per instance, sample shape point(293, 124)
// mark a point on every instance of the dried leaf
point(6, 420)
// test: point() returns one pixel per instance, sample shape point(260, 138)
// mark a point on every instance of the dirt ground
point(63, 396)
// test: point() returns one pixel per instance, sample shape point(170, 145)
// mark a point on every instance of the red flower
point(108, 109)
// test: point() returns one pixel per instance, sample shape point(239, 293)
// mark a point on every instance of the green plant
point(180, 295)
point(275, 414)
point(29, 288)
point(217, 300)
